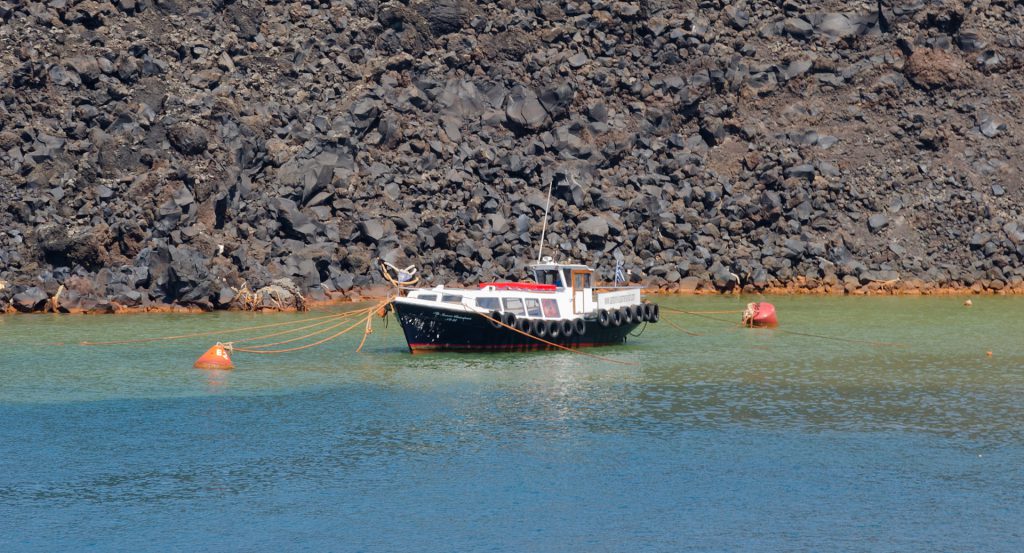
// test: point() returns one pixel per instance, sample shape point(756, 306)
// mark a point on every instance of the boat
point(562, 308)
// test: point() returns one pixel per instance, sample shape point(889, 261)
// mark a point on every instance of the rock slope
point(162, 151)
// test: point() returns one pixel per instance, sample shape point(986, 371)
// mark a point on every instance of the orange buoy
point(760, 314)
point(215, 358)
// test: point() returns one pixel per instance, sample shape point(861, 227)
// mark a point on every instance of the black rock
point(444, 16)
point(805, 171)
point(556, 100)
point(188, 138)
point(30, 300)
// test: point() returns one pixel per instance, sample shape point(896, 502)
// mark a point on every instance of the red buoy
point(760, 314)
point(215, 358)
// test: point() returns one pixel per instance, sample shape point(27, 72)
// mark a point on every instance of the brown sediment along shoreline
point(377, 293)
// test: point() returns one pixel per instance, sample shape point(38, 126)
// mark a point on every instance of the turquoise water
point(732, 440)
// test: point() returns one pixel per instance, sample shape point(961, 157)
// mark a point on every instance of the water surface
point(730, 440)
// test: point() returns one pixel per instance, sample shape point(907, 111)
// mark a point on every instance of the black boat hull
point(436, 329)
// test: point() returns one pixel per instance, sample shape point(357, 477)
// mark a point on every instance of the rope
point(680, 329)
point(210, 332)
point(367, 332)
point(698, 314)
point(793, 332)
point(552, 344)
point(410, 271)
point(291, 330)
point(296, 339)
point(253, 349)
point(837, 339)
point(641, 333)
point(286, 350)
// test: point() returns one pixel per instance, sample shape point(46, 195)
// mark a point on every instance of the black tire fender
point(579, 326)
point(554, 329)
point(540, 328)
point(567, 328)
point(603, 318)
point(509, 319)
point(627, 316)
point(655, 313)
point(616, 317)
point(495, 319)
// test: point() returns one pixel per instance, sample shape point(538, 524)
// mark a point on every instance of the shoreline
point(378, 293)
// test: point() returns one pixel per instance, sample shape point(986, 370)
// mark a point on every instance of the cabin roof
point(560, 266)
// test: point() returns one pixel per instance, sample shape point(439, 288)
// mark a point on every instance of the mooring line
point(297, 348)
point(559, 346)
point(793, 332)
point(293, 330)
point(253, 349)
point(211, 332)
point(681, 329)
point(292, 340)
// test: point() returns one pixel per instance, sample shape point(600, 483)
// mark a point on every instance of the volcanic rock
point(188, 138)
point(29, 300)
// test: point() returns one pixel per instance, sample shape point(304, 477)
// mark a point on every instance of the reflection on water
point(734, 439)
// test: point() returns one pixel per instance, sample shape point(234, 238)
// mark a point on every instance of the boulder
point(930, 68)
point(188, 138)
point(30, 300)
point(525, 111)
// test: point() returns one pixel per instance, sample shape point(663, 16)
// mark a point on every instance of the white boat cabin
point(559, 291)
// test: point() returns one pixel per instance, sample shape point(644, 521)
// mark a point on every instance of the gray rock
point(578, 60)
point(525, 111)
point(836, 26)
point(30, 300)
point(797, 27)
point(796, 68)
point(372, 229)
point(990, 126)
point(594, 227)
point(877, 222)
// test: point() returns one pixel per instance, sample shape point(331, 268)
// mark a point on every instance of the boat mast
point(544, 228)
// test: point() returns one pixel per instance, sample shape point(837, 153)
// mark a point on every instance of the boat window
point(427, 297)
point(515, 306)
point(489, 303)
point(451, 298)
point(550, 308)
point(532, 307)
point(548, 276)
point(581, 281)
point(568, 275)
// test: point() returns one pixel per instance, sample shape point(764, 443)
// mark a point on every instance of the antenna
point(544, 228)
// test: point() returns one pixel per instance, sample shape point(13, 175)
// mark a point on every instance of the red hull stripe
point(521, 286)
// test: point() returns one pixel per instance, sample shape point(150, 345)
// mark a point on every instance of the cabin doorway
point(582, 291)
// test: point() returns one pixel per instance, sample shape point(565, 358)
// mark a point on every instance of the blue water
point(733, 440)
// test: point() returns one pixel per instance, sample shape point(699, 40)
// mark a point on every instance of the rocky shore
point(215, 154)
